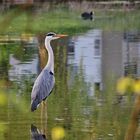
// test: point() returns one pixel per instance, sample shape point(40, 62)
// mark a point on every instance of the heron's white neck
point(50, 63)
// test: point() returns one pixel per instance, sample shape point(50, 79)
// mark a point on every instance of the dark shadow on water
point(36, 134)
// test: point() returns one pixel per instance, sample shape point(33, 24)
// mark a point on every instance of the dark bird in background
point(44, 83)
point(87, 15)
point(36, 135)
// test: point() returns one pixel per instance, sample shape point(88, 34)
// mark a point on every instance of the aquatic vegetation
point(3, 129)
point(3, 99)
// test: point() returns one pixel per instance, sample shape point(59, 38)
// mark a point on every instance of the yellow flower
point(58, 133)
point(137, 86)
point(124, 84)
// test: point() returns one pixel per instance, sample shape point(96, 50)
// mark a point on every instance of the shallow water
point(83, 101)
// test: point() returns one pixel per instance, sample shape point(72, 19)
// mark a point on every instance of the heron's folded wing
point(42, 86)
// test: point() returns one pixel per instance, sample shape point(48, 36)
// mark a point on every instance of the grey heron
point(44, 83)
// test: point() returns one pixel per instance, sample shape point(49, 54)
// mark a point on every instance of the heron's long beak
point(60, 35)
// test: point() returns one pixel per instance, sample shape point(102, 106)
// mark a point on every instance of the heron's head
point(52, 36)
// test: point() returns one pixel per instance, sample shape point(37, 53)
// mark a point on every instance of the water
point(83, 101)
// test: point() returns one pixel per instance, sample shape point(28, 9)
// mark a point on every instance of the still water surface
point(83, 101)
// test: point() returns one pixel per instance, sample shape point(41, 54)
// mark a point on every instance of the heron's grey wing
point(42, 88)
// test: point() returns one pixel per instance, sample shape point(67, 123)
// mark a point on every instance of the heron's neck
point(50, 63)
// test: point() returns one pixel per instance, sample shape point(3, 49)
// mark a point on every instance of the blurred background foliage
point(62, 17)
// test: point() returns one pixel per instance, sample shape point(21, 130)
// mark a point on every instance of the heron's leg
point(43, 109)
point(43, 106)
point(44, 117)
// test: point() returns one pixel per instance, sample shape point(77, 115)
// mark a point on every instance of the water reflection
point(120, 55)
point(86, 50)
point(101, 54)
point(84, 64)
point(132, 53)
point(104, 55)
point(36, 134)
point(19, 69)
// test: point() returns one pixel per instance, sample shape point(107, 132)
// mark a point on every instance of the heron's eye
point(51, 34)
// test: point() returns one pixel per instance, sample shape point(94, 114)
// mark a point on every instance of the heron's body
point(45, 81)
point(42, 88)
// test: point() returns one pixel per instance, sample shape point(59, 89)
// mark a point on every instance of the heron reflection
point(36, 134)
